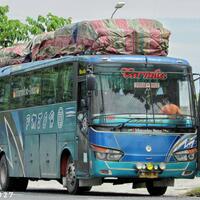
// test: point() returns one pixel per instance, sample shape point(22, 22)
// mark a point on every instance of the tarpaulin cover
point(109, 36)
point(15, 55)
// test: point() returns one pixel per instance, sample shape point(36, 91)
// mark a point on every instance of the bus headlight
point(186, 155)
point(103, 153)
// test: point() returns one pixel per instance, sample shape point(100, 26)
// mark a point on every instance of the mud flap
point(64, 182)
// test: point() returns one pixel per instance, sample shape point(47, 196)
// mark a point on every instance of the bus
point(91, 119)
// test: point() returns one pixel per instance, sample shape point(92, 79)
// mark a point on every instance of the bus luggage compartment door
point(32, 156)
point(48, 158)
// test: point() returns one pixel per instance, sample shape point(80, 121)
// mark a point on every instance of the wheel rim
point(3, 173)
point(71, 176)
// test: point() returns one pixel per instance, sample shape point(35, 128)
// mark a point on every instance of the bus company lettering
point(132, 74)
point(37, 121)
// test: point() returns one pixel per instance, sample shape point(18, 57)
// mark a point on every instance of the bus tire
point(20, 184)
point(155, 191)
point(72, 182)
point(6, 182)
point(85, 189)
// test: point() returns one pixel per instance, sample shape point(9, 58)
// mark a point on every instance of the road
point(51, 190)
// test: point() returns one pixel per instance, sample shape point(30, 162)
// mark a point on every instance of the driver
point(171, 109)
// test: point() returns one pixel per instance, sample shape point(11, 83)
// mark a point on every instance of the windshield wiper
point(122, 125)
point(147, 104)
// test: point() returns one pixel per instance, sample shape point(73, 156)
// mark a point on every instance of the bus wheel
point(5, 181)
point(155, 191)
point(71, 180)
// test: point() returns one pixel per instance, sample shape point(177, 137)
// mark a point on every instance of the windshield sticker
point(82, 71)
point(130, 73)
point(146, 85)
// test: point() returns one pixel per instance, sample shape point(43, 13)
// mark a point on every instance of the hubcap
point(71, 177)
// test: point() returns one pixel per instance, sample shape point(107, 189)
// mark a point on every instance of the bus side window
point(17, 92)
point(65, 83)
point(4, 94)
point(48, 87)
point(33, 87)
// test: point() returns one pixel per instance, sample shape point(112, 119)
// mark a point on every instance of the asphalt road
point(51, 190)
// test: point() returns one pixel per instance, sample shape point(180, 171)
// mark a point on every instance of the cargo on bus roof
point(107, 36)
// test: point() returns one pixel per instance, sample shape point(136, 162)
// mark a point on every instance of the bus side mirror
point(91, 82)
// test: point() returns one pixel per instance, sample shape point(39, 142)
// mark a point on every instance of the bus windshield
point(143, 93)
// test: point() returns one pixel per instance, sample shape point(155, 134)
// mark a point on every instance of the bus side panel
point(66, 138)
point(34, 138)
point(11, 137)
point(55, 126)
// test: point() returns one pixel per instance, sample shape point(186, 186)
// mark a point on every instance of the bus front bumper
point(100, 168)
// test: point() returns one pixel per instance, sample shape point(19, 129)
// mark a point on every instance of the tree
point(46, 23)
point(13, 31)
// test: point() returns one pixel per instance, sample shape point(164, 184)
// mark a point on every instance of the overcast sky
point(181, 17)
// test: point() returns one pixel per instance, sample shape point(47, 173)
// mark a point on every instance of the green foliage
point(13, 31)
point(46, 23)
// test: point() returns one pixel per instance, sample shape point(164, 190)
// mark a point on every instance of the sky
point(181, 17)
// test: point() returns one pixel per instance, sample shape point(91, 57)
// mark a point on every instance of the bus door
point(82, 163)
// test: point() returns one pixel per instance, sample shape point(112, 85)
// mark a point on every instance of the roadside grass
point(194, 192)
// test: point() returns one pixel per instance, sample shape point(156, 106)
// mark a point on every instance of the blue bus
point(87, 120)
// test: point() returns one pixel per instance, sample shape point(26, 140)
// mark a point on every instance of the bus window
point(64, 83)
point(33, 87)
point(49, 79)
point(4, 94)
point(18, 92)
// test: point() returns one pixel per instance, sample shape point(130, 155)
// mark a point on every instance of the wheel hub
point(71, 177)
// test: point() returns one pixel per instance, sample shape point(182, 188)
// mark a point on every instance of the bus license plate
point(148, 175)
